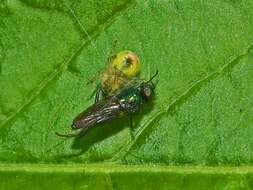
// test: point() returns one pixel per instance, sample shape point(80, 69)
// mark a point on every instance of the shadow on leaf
point(86, 139)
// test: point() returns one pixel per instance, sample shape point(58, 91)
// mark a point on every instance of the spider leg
point(97, 96)
point(131, 126)
point(99, 93)
point(112, 53)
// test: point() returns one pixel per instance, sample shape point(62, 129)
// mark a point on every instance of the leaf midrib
point(120, 168)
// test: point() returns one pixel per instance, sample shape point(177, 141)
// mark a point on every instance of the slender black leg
point(104, 95)
point(97, 95)
point(131, 121)
point(131, 127)
point(112, 54)
point(100, 93)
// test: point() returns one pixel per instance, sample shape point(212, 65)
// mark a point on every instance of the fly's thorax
point(130, 100)
point(130, 95)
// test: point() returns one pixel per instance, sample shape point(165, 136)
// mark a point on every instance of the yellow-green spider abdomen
point(124, 67)
point(128, 63)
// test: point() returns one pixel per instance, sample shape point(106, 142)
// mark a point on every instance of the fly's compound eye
point(147, 92)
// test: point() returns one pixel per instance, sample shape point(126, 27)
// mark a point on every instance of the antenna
point(150, 80)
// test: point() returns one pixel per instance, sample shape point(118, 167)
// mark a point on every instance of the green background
point(196, 135)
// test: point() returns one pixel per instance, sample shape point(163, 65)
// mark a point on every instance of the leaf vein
point(43, 85)
point(182, 98)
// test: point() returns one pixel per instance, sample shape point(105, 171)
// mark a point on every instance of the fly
point(128, 102)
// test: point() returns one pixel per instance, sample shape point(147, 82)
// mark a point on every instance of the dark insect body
point(126, 103)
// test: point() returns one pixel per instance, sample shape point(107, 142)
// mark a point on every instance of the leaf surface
point(202, 113)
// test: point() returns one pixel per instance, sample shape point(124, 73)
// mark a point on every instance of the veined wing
point(97, 113)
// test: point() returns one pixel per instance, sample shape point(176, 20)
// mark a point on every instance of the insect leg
point(94, 92)
point(150, 80)
point(131, 121)
point(131, 126)
point(112, 54)
point(97, 95)
point(99, 92)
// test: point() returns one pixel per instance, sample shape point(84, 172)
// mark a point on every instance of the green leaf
point(198, 133)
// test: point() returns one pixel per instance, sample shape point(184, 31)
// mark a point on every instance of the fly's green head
point(147, 91)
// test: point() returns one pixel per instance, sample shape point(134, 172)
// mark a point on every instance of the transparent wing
point(97, 113)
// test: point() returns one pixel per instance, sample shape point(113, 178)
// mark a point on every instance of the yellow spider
point(123, 70)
